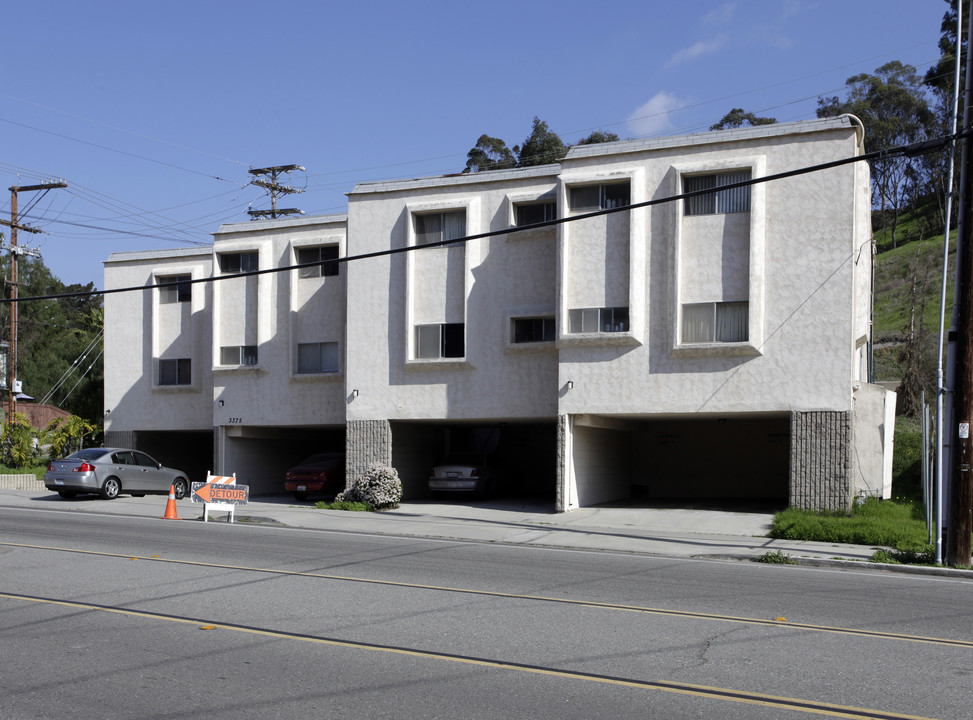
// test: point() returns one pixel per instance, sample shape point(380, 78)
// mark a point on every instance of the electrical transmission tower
point(275, 189)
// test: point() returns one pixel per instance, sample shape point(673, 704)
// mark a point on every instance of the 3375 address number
point(235, 421)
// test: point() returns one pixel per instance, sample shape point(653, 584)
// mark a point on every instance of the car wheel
point(181, 487)
point(111, 487)
point(300, 496)
point(67, 494)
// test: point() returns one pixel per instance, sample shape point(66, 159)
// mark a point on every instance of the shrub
point(344, 505)
point(379, 486)
point(20, 445)
point(67, 435)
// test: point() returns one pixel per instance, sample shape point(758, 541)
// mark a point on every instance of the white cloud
point(699, 49)
point(652, 118)
point(721, 15)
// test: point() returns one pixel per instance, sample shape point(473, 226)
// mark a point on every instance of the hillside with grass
point(908, 285)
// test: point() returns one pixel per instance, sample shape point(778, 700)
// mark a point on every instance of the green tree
point(893, 107)
point(598, 137)
point(489, 153)
point(738, 117)
point(59, 340)
point(66, 435)
point(541, 147)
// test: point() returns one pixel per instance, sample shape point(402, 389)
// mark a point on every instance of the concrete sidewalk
point(680, 532)
point(666, 532)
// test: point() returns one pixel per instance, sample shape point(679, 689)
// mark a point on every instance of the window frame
point(424, 237)
point(242, 261)
point(180, 370)
point(327, 266)
point(179, 292)
point(714, 323)
point(447, 337)
point(717, 202)
point(605, 200)
point(322, 370)
point(247, 355)
point(548, 212)
point(548, 329)
point(617, 319)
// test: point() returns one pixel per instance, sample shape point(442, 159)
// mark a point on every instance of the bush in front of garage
point(379, 486)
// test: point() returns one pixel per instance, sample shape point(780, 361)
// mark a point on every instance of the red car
point(322, 474)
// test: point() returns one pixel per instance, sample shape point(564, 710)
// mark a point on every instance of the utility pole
point(15, 252)
point(275, 189)
point(961, 495)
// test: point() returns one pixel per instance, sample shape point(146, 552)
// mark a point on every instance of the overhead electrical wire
point(911, 150)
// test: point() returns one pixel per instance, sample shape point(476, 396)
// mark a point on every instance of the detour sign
point(220, 493)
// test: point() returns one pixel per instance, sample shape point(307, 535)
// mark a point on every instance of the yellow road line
point(775, 622)
point(704, 691)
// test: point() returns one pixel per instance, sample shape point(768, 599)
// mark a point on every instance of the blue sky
point(153, 112)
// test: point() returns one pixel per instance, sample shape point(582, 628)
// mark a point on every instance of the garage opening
point(719, 462)
point(260, 456)
point(189, 451)
point(520, 456)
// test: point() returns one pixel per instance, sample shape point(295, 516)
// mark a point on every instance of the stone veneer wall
point(562, 463)
point(820, 473)
point(366, 441)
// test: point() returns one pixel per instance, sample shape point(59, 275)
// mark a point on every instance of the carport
point(525, 453)
point(723, 460)
point(259, 456)
point(188, 450)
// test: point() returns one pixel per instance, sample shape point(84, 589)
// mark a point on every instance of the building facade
point(599, 340)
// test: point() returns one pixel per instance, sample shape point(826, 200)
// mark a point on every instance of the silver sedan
point(110, 471)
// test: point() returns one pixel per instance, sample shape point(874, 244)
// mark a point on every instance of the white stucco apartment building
point(713, 347)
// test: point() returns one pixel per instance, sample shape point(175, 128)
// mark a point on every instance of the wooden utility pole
point(275, 189)
point(960, 526)
point(15, 252)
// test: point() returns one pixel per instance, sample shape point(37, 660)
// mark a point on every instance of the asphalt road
point(122, 617)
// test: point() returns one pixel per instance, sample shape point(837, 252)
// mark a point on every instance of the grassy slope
point(894, 272)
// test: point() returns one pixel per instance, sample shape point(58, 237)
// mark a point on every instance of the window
point(239, 262)
point(446, 340)
point(733, 200)
point(593, 320)
point(177, 289)
point(715, 322)
point(530, 330)
point(317, 255)
point(440, 227)
point(317, 357)
point(530, 213)
point(589, 198)
point(175, 372)
point(238, 355)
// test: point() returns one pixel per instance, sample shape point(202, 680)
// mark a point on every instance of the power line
point(912, 150)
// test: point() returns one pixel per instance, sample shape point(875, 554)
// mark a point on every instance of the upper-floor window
point(317, 357)
point(442, 340)
point(715, 322)
point(238, 355)
point(239, 262)
point(535, 212)
point(321, 255)
point(177, 371)
point(732, 200)
point(532, 329)
point(176, 289)
point(594, 320)
point(440, 226)
point(588, 198)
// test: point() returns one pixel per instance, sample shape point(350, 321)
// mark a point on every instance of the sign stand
point(220, 493)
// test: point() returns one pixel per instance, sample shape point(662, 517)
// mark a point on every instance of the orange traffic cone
point(171, 505)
